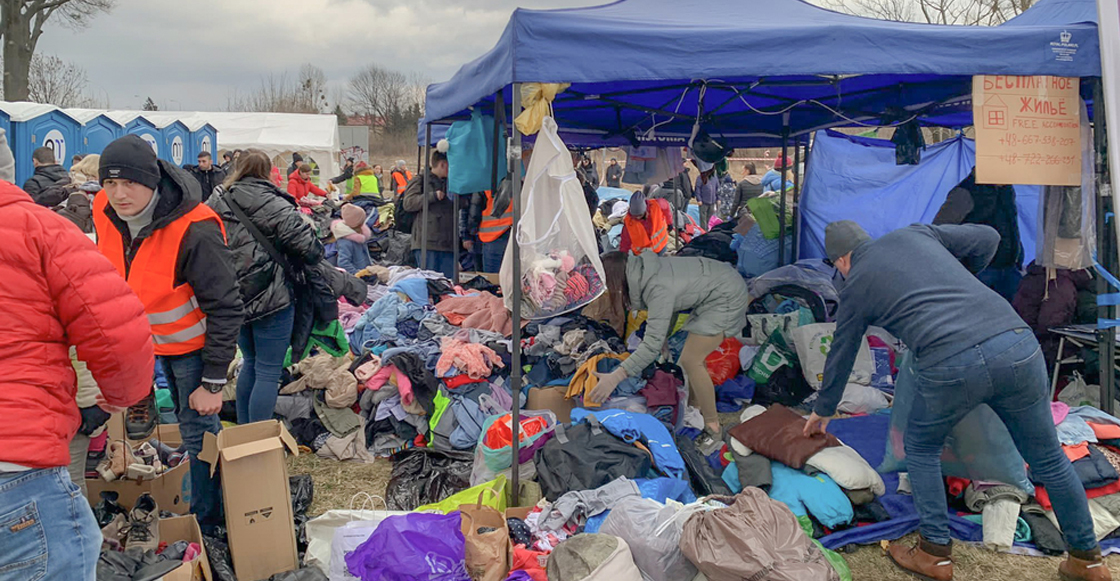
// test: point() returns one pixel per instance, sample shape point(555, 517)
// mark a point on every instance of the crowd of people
point(193, 264)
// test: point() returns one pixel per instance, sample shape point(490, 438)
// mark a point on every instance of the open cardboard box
point(171, 490)
point(185, 528)
point(262, 537)
point(490, 276)
point(551, 398)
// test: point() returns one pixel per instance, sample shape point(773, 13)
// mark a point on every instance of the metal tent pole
point(794, 254)
point(424, 194)
point(1106, 338)
point(455, 238)
point(782, 194)
point(499, 134)
point(515, 351)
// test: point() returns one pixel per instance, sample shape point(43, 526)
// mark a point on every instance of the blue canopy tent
point(764, 73)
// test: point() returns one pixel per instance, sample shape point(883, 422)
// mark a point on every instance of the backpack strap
point(596, 427)
point(561, 435)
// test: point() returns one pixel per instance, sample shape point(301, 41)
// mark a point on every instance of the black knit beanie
point(130, 158)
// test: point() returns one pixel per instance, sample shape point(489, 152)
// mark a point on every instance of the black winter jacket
point(45, 177)
point(207, 180)
point(205, 262)
point(441, 213)
point(265, 287)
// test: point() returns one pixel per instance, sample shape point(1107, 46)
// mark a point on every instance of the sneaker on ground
point(143, 524)
point(140, 419)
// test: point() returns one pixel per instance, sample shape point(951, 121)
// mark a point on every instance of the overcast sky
point(194, 54)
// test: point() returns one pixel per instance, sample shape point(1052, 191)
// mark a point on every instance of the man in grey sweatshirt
point(970, 348)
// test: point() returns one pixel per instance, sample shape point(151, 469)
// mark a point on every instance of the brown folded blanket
point(777, 435)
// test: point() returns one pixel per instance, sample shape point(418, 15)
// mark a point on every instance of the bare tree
point(58, 82)
point(21, 25)
point(392, 100)
point(306, 93)
point(968, 12)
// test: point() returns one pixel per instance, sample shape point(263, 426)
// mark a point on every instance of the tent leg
point(795, 253)
point(499, 134)
point(515, 351)
point(782, 196)
point(1106, 338)
point(455, 241)
point(424, 193)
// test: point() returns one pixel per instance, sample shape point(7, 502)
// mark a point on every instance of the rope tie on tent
point(1107, 299)
point(536, 100)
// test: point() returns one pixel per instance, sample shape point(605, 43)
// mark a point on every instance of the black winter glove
point(93, 418)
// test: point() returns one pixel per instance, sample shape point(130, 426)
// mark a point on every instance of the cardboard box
point(490, 276)
point(551, 398)
point(171, 490)
point(262, 536)
point(185, 528)
point(166, 433)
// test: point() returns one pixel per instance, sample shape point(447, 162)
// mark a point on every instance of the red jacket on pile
point(60, 291)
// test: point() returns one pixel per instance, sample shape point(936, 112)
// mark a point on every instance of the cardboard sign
point(1028, 130)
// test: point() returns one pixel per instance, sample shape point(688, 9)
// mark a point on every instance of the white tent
point(277, 134)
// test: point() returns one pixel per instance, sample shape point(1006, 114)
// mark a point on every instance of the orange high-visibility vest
point(493, 228)
point(178, 324)
point(640, 239)
point(402, 180)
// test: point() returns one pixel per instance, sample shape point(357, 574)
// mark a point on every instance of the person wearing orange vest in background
point(171, 249)
point(401, 176)
point(495, 217)
point(644, 228)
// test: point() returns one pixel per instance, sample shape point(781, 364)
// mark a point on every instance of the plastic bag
point(762, 326)
point(221, 563)
point(560, 266)
point(422, 476)
point(501, 458)
point(412, 546)
point(653, 531)
point(723, 363)
point(838, 563)
point(1067, 238)
point(813, 342)
point(978, 448)
point(486, 542)
point(306, 574)
point(494, 495)
point(773, 355)
point(303, 494)
point(321, 529)
point(470, 154)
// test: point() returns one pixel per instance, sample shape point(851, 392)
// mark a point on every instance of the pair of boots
point(934, 562)
point(122, 462)
point(140, 529)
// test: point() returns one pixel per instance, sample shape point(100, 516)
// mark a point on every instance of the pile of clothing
point(558, 284)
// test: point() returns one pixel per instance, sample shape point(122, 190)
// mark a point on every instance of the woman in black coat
point(267, 289)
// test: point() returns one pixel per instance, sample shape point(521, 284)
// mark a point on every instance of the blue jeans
point(47, 530)
point(264, 343)
point(439, 261)
point(184, 375)
point(1008, 373)
point(493, 253)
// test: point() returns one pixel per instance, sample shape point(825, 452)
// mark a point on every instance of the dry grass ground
point(336, 483)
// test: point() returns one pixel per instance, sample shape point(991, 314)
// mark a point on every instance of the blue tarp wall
point(855, 178)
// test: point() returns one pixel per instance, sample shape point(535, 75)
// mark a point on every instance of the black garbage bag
point(422, 476)
point(308, 574)
point(221, 563)
point(303, 493)
point(107, 508)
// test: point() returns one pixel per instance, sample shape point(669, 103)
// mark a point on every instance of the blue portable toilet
point(98, 130)
point(34, 126)
point(204, 137)
point(175, 137)
point(137, 124)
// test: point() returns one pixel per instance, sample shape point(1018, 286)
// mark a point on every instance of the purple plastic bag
point(412, 546)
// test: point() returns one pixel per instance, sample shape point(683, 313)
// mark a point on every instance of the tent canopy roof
point(634, 64)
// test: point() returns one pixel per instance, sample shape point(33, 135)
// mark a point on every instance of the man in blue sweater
point(970, 348)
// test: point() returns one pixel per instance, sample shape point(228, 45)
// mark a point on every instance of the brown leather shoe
point(924, 560)
point(1093, 569)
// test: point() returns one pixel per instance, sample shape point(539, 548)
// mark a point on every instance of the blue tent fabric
point(798, 53)
point(856, 178)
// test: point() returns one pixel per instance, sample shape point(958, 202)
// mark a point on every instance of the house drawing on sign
point(994, 113)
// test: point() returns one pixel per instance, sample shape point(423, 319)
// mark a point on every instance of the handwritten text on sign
point(1028, 130)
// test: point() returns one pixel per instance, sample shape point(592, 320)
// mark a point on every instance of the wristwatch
point(214, 387)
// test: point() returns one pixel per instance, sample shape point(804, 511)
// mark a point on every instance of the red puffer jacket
point(57, 291)
point(299, 188)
